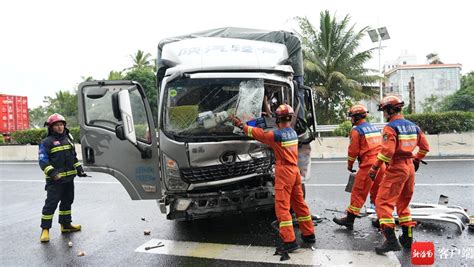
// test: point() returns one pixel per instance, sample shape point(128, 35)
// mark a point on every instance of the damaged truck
point(191, 159)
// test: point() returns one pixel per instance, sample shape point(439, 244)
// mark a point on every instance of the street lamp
point(377, 36)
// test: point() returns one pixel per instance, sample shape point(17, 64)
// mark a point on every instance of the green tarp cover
point(290, 40)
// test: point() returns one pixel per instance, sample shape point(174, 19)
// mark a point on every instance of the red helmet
point(358, 110)
point(390, 102)
point(54, 118)
point(284, 112)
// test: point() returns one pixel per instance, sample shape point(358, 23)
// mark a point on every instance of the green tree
point(334, 66)
point(140, 60)
point(463, 99)
point(147, 78)
point(115, 75)
point(431, 104)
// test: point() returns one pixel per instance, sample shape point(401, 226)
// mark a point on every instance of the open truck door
point(306, 114)
point(118, 135)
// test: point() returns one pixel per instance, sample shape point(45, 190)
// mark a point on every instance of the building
point(439, 80)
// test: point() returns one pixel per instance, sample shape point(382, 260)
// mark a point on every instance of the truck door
point(306, 120)
point(118, 135)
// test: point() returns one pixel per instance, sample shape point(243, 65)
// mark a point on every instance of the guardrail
point(330, 128)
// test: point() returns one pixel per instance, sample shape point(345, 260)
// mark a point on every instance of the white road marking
point(259, 254)
point(310, 185)
point(416, 184)
point(42, 181)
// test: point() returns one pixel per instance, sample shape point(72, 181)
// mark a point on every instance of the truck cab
point(191, 159)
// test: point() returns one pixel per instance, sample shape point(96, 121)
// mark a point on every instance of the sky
point(47, 46)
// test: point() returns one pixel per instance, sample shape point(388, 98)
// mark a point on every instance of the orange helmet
point(390, 102)
point(360, 110)
point(54, 118)
point(284, 112)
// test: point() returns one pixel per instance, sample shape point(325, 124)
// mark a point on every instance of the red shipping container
point(14, 114)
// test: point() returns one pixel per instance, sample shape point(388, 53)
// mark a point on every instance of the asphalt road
point(113, 225)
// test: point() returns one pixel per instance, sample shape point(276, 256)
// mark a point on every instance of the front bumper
point(212, 204)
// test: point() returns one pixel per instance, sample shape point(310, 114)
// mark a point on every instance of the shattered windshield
point(200, 107)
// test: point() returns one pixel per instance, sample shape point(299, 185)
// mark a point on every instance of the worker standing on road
point(288, 192)
point(57, 159)
point(365, 143)
point(400, 138)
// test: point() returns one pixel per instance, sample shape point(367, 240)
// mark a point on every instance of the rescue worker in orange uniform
point(365, 144)
point(288, 190)
point(400, 138)
point(57, 159)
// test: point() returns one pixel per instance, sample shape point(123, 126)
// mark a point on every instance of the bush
point(445, 122)
point(34, 136)
point(343, 129)
point(2, 140)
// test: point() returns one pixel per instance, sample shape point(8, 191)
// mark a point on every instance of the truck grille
point(221, 172)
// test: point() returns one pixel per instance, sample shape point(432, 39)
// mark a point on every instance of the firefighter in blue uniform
point(57, 159)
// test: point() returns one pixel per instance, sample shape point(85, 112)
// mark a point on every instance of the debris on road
point(70, 244)
point(159, 245)
point(146, 232)
point(81, 254)
point(112, 231)
point(143, 218)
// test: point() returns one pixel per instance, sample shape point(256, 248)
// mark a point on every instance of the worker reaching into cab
point(288, 190)
point(364, 145)
point(400, 138)
point(57, 159)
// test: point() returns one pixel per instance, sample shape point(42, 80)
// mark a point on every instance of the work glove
point(82, 174)
point(350, 167)
point(236, 121)
point(416, 163)
point(373, 172)
point(56, 177)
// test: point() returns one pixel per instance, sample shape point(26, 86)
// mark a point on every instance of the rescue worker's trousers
point(396, 189)
point(363, 185)
point(64, 193)
point(288, 193)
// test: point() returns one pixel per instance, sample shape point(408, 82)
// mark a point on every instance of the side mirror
point(127, 118)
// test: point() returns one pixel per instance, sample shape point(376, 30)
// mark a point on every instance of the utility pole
point(411, 91)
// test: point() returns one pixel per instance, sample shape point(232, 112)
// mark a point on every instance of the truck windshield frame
point(197, 109)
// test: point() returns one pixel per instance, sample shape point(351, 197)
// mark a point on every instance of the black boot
point(308, 238)
point(376, 223)
point(347, 221)
point(390, 244)
point(287, 247)
point(406, 239)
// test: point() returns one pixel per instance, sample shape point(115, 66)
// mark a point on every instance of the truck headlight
point(173, 179)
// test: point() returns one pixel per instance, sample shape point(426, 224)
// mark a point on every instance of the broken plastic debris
point(111, 231)
point(146, 232)
point(81, 254)
point(143, 218)
point(69, 244)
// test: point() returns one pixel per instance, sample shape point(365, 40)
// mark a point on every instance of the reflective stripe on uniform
point(407, 136)
point(286, 223)
point(77, 164)
point(383, 158)
point(64, 174)
point(47, 217)
point(404, 219)
point(423, 152)
point(386, 221)
point(370, 135)
point(304, 218)
point(249, 131)
point(47, 169)
point(65, 212)
point(60, 148)
point(354, 208)
point(289, 143)
point(349, 158)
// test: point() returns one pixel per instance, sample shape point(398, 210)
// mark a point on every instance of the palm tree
point(115, 75)
point(334, 66)
point(140, 60)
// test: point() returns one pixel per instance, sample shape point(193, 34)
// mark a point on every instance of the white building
point(440, 80)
